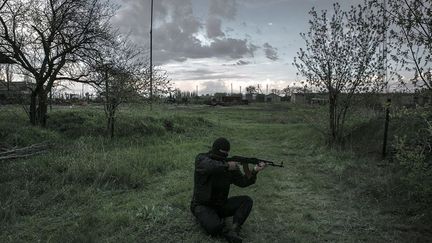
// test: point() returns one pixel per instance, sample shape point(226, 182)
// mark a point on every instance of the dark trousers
point(212, 218)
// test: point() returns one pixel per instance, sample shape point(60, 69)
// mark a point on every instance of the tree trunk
point(8, 76)
point(332, 119)
point(42, 108)
point(111, 119)
point(32, 112)
point(112, 127)
point(38, 105)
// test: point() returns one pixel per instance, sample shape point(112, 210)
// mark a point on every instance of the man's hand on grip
point(232, 165)
point(260, 166)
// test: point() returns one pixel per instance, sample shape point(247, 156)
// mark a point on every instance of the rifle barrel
point(242, 159)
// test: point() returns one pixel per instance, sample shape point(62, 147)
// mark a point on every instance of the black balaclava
point(220, 144)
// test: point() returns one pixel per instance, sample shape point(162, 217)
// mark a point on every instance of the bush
point(77, 123)
point(414, 156)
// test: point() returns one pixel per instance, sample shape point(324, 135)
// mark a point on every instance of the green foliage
point(403, 183)
point(410, 39)
point(342, 58)
point(415, 158)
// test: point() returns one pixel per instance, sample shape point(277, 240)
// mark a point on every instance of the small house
point(272, 98)
point(13, 92)
point(298, 98)
point(260, 98)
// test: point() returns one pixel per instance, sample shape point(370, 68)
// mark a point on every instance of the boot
point(232, 237)
point(232, 234)
point(236, 228)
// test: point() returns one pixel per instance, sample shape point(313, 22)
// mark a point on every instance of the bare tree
point(287, 91)
point(251, 89)
point(412, 38)
point(342, 57)
point(276, 91)
point(44, 36)
point(123, 73)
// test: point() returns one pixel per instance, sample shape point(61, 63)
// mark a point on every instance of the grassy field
point(137, 187)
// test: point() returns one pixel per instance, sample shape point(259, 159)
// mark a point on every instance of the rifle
point(254, 161)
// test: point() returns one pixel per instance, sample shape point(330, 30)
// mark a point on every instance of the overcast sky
point(216, 43)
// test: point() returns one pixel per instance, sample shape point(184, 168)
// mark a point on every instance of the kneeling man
point(212, 179)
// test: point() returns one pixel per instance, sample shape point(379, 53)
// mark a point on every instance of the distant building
point(309, 98)
point(298, 98)
point(14, 91)
point(255, 97)
point(369, 99)
point(224, 99)
point(319, 101)
point(408, 99)
point(235, 98)
point(260, 98)
point(286, 98)
point(272, 98)
point(249, 97)
point(218, 96)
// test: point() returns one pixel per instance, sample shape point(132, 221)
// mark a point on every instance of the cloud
point(234, 48)
point(213, 87)
point(242, 62)
point(213, 27)
point(238, 63)
point(218, 76)
point(253, 48)
point(207, 74)
point(270, 52)
point(223, 8)
point(229, 29)
point(260, 3)
point(177, 31)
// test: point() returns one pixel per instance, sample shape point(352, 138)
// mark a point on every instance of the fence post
point(387, 119)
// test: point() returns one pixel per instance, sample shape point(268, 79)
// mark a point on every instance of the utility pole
point(384, 73)
point(151, 56)
point(231, 89)
point(384, 50)
point(386, 125)
point(197, 90)
point(240, 90)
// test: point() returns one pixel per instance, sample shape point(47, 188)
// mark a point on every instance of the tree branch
point(3, 4)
